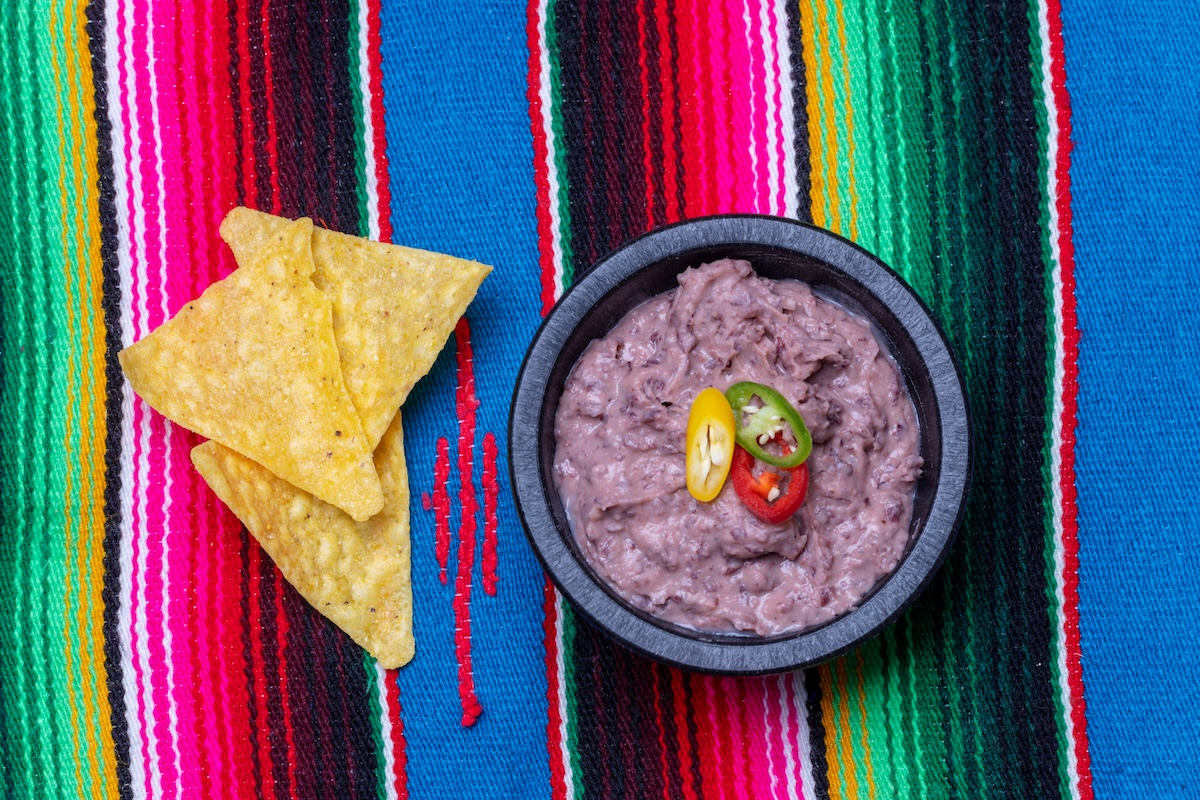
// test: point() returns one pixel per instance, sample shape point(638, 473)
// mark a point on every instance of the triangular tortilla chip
point(393, 309)
point(355, 573)
point(253, 364)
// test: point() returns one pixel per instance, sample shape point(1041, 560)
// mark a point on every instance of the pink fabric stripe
point(754, 739)
point(183, 162)
point(154, 491)
point(774, 769)
point(202, 708)
point(719, 83)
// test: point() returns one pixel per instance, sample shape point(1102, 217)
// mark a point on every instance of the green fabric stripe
point(570, 712)
point(566, 614)
point(1048, 477)
point(37, 357)
point(377, 710)
point(560, 153)
point(937, 688)
point(45, 274)
point(360, 129)
point(375, 704)
point(18, 772)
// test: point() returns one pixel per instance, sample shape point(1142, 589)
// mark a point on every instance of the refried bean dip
point(619, 462)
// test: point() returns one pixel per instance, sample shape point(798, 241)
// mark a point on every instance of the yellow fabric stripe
point(86, 429)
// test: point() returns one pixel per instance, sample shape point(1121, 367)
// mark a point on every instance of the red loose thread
point(491, 525)
point(441, 506)
point(465, 404)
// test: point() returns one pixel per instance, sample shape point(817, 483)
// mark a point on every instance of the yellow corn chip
point(393, 309)
point(355, 573)
point(253, 363)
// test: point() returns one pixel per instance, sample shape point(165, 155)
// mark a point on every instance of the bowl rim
point(722, 655)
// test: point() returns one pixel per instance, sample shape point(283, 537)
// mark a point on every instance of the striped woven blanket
point(147, 645)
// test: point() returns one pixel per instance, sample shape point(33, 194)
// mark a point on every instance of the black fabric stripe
point(258, 113)
point(677, 122)
point(816, 732)
point(800, 115)
point(110, 286)
point(571, 20)
point(276, 734)
point(670, 751)
point(1024, 431)
point(693, 739)
point(296, 114)
point(336, 93)
point(248, 664)
point(329, 694)
point(235, 84)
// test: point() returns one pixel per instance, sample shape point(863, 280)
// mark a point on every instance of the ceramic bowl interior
point(778, 249)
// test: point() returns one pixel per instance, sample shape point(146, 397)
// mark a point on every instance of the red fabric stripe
point(656, 674)
point(647, 150)
point(554, 743)
point(249, 163)
point(681, 728)
point(233, 697)
point(282, 626)
point(693, 145)
point(670, 185)
point(540, 154)
point(1062, 160)
point(378, 120)
point(266, 773)
point(465, 403)
point(707, 746)
point(727, 730)
point(269, 82)
point(491, 525)
point(281, 617)
point(399, 746)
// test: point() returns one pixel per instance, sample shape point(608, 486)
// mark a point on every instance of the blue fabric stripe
point(1136, 178)
point(461, 164)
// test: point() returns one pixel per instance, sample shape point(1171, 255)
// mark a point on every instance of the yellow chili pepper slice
point(710, 433)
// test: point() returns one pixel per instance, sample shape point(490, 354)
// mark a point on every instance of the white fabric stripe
point(548, 129)
point(1059, 410)
point(138, 246)
point(796, 751)
point(165, 631)
point(560, 660)
point(791, 197)
point(544, 94)
point(803, 742)
point(785, 717)
point(767, 736)
point(372, 186)
point(385, 732)
point(120, 98)
point(364, 85)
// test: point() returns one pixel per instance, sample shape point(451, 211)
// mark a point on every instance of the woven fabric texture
point(148, 647)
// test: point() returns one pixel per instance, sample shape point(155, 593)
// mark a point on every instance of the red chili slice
point(753, 490)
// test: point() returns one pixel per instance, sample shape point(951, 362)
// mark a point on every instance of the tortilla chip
point(393, 309)
point(355, 573)
point(253, 364)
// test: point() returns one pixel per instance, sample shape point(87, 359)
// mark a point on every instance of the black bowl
point(780, 249)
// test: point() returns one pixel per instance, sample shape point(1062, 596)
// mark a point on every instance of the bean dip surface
point(619, 459)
